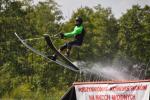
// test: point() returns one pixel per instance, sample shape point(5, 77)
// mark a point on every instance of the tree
point(133, 33)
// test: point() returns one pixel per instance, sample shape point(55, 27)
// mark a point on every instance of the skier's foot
point(53, 57)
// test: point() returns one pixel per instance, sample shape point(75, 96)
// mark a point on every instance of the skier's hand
point(61, 35)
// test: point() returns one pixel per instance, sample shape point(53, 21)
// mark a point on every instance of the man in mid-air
point(77, 33)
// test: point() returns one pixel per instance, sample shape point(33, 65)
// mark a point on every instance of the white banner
point(119, 91)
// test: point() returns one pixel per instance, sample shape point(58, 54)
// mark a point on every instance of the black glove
point(61, 35)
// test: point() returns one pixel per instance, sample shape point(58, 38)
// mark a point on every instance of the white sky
point(118, 6)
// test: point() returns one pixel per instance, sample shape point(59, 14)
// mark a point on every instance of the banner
point(113, 91)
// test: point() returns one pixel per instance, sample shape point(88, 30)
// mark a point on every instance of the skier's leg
point(70, 44)
point(63, 47)
point(68, 50)
point(54, 57)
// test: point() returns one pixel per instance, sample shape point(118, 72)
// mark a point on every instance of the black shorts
point(70, 44)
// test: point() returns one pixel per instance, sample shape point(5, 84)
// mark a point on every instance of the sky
point(118, 6)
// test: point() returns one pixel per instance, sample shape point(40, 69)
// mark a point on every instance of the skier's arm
point(76, 31)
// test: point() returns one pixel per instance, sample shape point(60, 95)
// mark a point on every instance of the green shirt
point(77, 30)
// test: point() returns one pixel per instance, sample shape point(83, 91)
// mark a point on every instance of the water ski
point(43, 55)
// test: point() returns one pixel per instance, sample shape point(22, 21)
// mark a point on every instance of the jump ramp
point(109, 90)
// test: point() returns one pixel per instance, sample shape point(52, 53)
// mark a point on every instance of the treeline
point(23, 74)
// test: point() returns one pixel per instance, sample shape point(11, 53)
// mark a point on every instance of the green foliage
point(134, 33)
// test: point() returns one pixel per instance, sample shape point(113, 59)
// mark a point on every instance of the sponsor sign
point(113, 91)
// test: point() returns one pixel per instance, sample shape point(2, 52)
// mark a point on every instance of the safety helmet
point(79, 19)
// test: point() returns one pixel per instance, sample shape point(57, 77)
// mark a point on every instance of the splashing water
point(97, 71)
point(111, 72)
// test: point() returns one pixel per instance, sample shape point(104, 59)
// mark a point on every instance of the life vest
point(80, 36)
